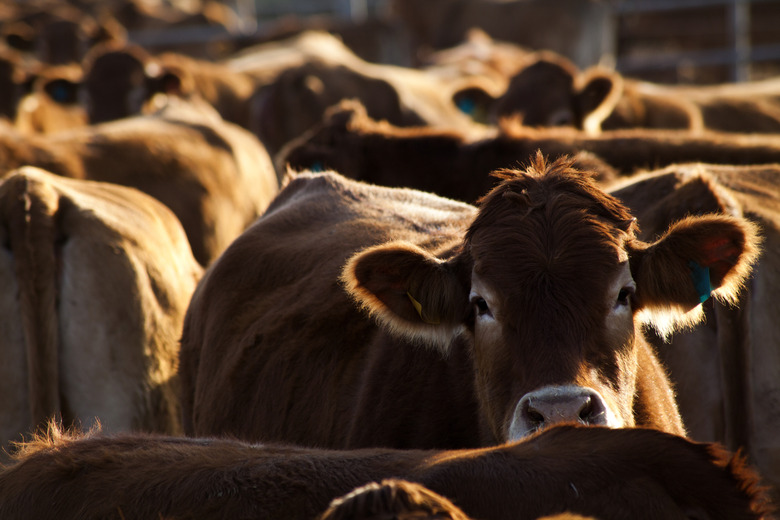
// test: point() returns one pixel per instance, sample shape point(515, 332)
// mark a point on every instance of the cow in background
point(610, 474)
point(553, 92)
point(216, 177)
point(457, 164)
point(52, 103)
point(392, 498)
point(96, 279)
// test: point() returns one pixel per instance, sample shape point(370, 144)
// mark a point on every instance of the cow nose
point(557, 404)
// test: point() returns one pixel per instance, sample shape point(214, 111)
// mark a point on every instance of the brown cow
point(119, 79)
point(299, 97)
point(392, 498)
point(724, 372)
point(611, 474)
point(96, 279)
point(455, 164)
point(599, 99)
point(528, 311)
point(215, 176)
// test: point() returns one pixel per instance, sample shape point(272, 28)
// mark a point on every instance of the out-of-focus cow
point(120, 79)
point(52, 104)
point(610, 474)
point(95, 281)
point(457, 164)
point(488, 324)
point(215, 176)
point(552, 91)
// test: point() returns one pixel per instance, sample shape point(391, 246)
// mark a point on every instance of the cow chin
point(552, 405)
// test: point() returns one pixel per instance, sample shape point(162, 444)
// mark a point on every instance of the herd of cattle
point(292, 283)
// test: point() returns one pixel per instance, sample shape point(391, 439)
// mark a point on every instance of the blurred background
point(666, 41)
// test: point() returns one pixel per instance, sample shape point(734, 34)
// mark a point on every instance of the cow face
point(549, 289)
point(114, 83)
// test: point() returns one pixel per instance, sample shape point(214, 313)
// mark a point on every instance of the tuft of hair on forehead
point(532, 187)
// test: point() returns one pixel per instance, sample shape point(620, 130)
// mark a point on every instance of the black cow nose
point(558, 404)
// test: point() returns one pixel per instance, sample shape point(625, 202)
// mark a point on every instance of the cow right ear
point(410, 291)
point(597, 94)
point(697, 258)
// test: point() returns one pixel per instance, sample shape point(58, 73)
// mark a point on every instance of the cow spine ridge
point(33, 246)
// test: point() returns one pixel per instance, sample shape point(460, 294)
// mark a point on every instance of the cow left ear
point(411, 292)
point(697, 257)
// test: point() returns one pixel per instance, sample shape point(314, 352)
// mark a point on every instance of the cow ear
point(410, 291)
point(598, 92)
point(696, 258)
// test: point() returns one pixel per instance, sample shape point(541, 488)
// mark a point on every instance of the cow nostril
point(586, 412)
point(535, 418)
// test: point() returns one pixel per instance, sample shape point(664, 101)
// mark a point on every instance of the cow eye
point(624, 296)
point(482, 307)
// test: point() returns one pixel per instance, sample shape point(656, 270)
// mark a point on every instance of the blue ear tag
point(701, 280)
point(467, 106)
point(317, 167)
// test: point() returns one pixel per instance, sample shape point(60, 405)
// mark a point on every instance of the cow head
point(549, 288)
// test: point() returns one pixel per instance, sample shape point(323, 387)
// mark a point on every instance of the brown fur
point(97, 280)
point(213, 175)
point(609, 474)
point(457, 165)
point(392, 499)
point(409, 258)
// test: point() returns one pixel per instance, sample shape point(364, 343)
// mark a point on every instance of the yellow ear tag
point(418, 307)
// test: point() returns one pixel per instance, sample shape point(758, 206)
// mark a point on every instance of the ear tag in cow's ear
point(418, 307)
point(701, 280)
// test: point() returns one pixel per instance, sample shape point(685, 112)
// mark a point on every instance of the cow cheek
point(618, 385)
point(493, 375)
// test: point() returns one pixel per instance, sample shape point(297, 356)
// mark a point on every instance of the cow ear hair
point(409, 291)
point(697, 257)
point(597, 94)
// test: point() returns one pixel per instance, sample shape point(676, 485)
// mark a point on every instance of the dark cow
point(96, 279)
point(610, 474)
point(457, 164)
point(392, 499)
point(120, 79)
point(216, 177)
point(488, 324)
point(298, 98)
point(552, 91)
point(724, 371)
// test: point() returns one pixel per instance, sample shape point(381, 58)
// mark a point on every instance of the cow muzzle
point(559, 404)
